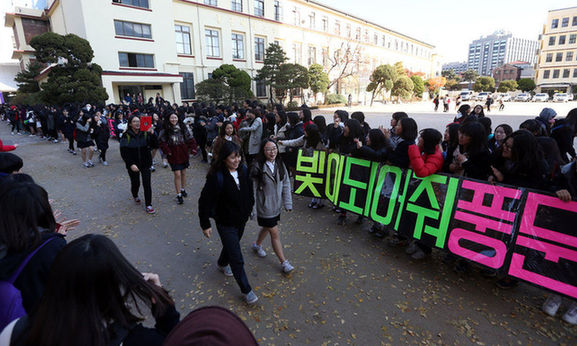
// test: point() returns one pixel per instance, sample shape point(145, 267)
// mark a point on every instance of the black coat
point(478, 165)
point(135, 148)
point(101, 135)
point(33, 278)
point(227, 204)
point(400, 156)
point(564, 136)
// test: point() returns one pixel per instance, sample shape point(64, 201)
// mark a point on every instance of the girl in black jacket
point(228, 198)
point(84, 130)
point(564, 132)
point(101, 135)
point(92, 287)
point(67, 126)
point(474, 157)
point(135, 149)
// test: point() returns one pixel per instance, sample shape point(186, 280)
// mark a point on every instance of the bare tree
point(343, 62)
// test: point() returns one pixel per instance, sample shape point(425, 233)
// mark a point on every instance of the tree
point(236, 82)
point(343, 63)
point(25, 79)
point(318, 79)
point(274, 57)
point(419, 86)
point(470, 76)
point(382, 78)
point(484, 83)
point(507, 85)
point(449, 74)
point(72, 76)
point(403, 87)
point(434, 84)
point(212, 90)
point(526, 84)
point(291, 77)
point(452, 84)
point(401, 71)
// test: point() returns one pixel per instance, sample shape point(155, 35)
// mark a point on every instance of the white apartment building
point(490, 52)
point(557, 65)
point(167, 46)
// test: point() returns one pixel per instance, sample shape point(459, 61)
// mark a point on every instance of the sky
point(451, 25)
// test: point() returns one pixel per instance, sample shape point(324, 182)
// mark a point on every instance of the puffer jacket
point(271, 194)
point(425, 164)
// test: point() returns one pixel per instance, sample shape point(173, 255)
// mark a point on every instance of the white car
point(482, 96)
point(560, 97)
point(466, 95)
point(523, 97)
point(541, 97)
point(505, 97)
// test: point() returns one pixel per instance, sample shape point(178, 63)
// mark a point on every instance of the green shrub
point(292, 105)
point(335, 98)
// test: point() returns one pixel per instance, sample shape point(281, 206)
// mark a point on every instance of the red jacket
point(425, 164)
point(4, 148)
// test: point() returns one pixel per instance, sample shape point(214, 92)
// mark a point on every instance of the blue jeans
point(232, 255)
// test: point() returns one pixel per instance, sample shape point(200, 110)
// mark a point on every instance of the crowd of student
point(253, 154)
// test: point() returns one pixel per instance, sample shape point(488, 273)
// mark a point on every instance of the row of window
point(135, 3)
point(213, 50)
point(557, 73)
point(236, 5)
point(559, 57)
point(187, 87)
point(562, 39)
point(564, 22)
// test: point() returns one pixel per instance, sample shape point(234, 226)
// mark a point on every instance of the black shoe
point(312, 205)
point(342, 220)
point(183, 193)
point(359, 220)
point(179, 200)
point(318, 206)
point(507, 283)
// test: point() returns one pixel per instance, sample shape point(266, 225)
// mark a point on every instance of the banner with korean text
point(525, 234)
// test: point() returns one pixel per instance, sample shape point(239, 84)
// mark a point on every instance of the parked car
point(466, 95)
point(524, 97)
point(505, 97)
point(560, 97)
point(571, 97)
point(541, 97)
point(482, 96)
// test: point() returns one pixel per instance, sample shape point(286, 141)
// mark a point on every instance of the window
point(259, 48)
point(259, 8)
point(210, 2)
point(237, 46)
point(569, 56)
point(562, 39)
point(574, 21)
point(565, 22)
point(572, 38)
point(559, 57)
point(187, 86)
point(552, 40)
point(546, 74)
point(549, 57)
point(376, 39)
point(260, 89)
point(358, 34)
point(312, 55)
point(212, 43)
point(312, 20)
point(566, 73)
point(555, 24)
point(297, 16)
point(325, 53)
point(337, 28)
point(297, 49)
point(132, 29)
point(277, 11)
point(349, 31)
point(325, 24)
point(136, 60)
point(555, 73)
point(575, 73)
point(136, 3)
point(236, 5)
point(182, 39)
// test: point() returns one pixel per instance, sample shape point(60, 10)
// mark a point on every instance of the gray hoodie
point(271, 194)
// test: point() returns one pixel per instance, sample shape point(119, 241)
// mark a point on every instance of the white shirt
point(270, 165)
point(235, 176)
point(228, 138)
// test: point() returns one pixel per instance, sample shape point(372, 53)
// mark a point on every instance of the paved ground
point(348, 288)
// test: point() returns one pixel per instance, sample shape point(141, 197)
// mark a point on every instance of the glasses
point(270, 150)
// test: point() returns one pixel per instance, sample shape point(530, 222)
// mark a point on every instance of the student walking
point(135, 149)
point(273, 191)
point(177, 143)
point(101, 135)
point(84, 132)
point(228, 198)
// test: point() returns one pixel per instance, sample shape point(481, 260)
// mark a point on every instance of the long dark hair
point(476, 131)
point(313, 135)
point(167, 127)
point(222, 130)
point(25, 210)
point(321, 123)
point(526, 153)
point(377, 139)
point(261, 159)
point(410, 129)
point(453, 136)
point(91, 285)
point(355, 129)
point(227, 148)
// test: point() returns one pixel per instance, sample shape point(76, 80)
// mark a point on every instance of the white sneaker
point(250, 298)
point(287, 267)
point(226, 270)
point(552, 304)
point(258, 250)
point(571, 315)
point(105, 163)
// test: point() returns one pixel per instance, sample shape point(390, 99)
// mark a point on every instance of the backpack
point(11, 306)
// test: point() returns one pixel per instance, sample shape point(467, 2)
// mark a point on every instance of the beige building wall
point(557, 65)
